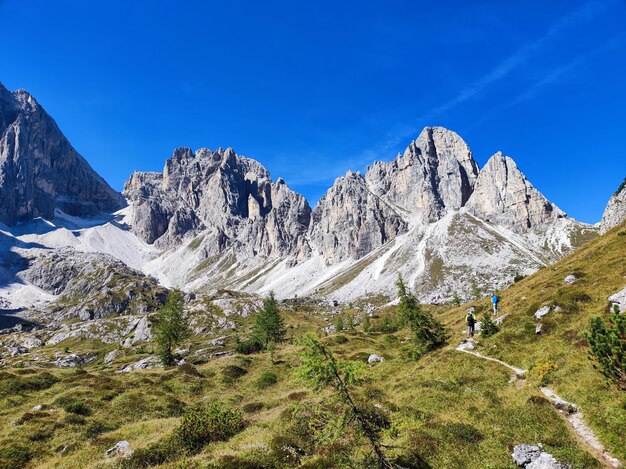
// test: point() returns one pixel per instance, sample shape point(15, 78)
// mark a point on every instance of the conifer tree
point(428, 333)
point(608, 347)
point(269, 326)
point(171, 327)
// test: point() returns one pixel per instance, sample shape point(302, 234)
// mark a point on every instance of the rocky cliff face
point(228, 198)
point(615, 211)
point(39, 169)
point(350, 221)
point(503, 196)
point(435, 174)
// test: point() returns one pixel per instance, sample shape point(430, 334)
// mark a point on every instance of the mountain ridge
point(213, 219)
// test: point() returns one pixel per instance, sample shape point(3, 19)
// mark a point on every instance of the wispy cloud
point(513, 62)
point(556, 74)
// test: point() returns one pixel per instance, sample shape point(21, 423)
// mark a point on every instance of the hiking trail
point(568, 409)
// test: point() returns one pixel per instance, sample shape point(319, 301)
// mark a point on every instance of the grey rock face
point(350, 221)
point(229, 198)
point(615, 211)
point(93, 285)
point(503, 196)
point(436, 173)
point(40, 170)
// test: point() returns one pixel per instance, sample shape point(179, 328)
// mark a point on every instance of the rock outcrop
point(39, 169)
point(615, 211)
point(229, 198)
point(92, 286)
point(503, 196)
point(436, 173)
point(350, 221)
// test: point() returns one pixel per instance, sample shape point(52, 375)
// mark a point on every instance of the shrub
point(487, 326)
point(204, 424)
point(14, 456)
point(233, 372)
point(608, 347)
point(77, 407)
point(340, 339)
point(97, 427)
point(541, 374)
point(267, 379)
point(11, 384)
point(252, 345)
point(74, 419)
point(518, 277)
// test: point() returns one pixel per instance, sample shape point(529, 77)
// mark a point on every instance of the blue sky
point(312, 89)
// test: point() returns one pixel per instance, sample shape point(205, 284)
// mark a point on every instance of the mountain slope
point(448, 409)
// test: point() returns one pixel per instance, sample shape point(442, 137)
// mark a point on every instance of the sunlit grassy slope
point(447, 410)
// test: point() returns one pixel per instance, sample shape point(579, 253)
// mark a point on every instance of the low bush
point(251, 345)
point(97, 427)
point(267, 379)
point(77, 407)
point(11, 384)
point(608, 348)
point(204, 424)
point(14, 455)
point(541, 374)
point(233, 372)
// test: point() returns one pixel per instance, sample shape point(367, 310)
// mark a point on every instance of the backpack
point(470, 319)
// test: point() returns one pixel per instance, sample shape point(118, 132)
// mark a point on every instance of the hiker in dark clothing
point(470, 319)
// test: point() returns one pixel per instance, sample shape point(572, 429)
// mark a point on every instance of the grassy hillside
point(447, 410)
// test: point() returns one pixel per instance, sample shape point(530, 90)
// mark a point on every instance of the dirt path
point(570, 410)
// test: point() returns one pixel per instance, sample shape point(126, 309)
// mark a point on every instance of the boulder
point(524, 454)
point(541, 312)
point(121, 448)
point(570, 279)
point(534, 457)
point(618, 299)
point(373, 358)
point(219, 342)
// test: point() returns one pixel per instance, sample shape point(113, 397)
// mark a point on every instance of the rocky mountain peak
point(435, 173)
point(231, 196)
point(502, 195)
point(39, 169)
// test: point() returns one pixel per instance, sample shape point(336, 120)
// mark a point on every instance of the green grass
point(448, 409)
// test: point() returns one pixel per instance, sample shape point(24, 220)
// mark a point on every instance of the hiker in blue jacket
point(495, 300)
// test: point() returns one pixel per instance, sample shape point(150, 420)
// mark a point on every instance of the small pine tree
point(428, 333)
point(269, 326)
point(608, 347)
point(456, 299)
point(171, 327)
point(487, 326)
point(339, 324)
point(367, 324)
point(350, 325)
